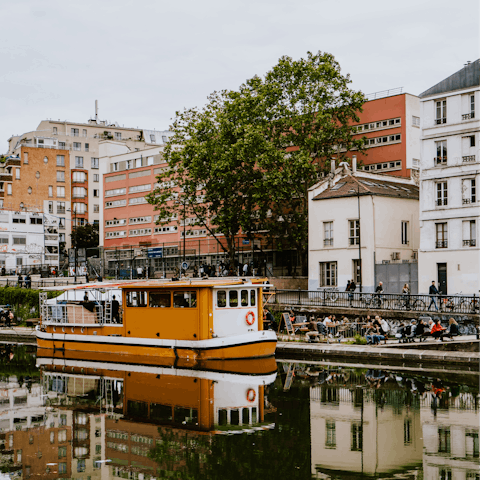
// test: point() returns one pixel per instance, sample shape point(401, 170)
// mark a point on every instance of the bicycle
point(372, 301)
point(469, 306)
point(331, 294)
point(415, 304)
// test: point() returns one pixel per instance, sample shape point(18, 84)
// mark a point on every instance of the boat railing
point(89, 313)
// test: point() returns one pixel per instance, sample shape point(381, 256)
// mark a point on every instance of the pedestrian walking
point(433, 292)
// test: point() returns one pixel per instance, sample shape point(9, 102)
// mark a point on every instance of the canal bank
point(466, 353)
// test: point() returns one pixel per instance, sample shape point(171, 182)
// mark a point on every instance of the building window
point(19, 240)
point(328, 274)
point(78, 162)
point(84, 132)
point(61, 145)
point(50, 207)
point(469, 191)
point(79, 192)
point(55, 130)
point(96, 208)
point(442, 194)
point(441, 235)
point(9, 188)
point(87, 147)
point(79, 177)
point(61, 222)
point(330, 435)
point(407, 431)
point(60, 160)
point(415, 121)
point(118, 135)
point(96, 177)
point(354, 232)
point(115, 191)
point(60, 176)
point(17, 174)
point(441, 148)
point(74, 132)
point(50, 191)
point(440, 112)
point(77, 146)
point(356, 430)
point(94, 162)
point(405, 233)
point(327, 234)
point(80, 208)
point(25, 157)
point(61, 192)
point(469, 228)
point(152, 138)
point(60, 207)
point(357, 271)
point(96, 193)
point(444, 440)
point(140, 188)
point(472, 106)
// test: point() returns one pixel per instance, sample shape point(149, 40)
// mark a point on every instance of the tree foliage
point(85, 236)
point(249, 156)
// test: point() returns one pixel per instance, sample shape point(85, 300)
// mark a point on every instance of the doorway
point(442, 278)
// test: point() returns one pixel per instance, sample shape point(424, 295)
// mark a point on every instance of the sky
point(147, 59)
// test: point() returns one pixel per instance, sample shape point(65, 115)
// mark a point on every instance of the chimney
point(96, 110)
point(354, 164)
point(332, 166)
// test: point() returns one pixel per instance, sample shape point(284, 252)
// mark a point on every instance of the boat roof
point(165, 283)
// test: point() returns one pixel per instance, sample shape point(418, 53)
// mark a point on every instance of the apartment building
point(362, 226)
point(391, 123)
point(450, 174)
point(80, 145)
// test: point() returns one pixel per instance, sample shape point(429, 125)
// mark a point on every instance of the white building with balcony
point(449, 250)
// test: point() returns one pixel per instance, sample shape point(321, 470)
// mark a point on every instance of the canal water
point(87, 419)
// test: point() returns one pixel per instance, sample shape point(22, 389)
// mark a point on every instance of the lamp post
point(76, 247)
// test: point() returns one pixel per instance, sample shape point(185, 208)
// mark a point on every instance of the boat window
point(234, 416)
point(161, 412)
point(221, 298)
point(244, 298)
point(185, 299)
point(137, 298)
point(253, 297)
point(160, 300)
point(245, 416)
point(222, 417)
point(185, 416)
point(233, 298)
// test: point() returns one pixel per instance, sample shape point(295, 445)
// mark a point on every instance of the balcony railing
point(468, 158)
point(468, 116)
point(440, 160)
point(466, 201)
point(442, 202)
point(439, 121)
point(328, 242)
point(441, 244)
point(470, 243)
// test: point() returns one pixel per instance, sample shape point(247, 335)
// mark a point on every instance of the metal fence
point(385, 301)
point(42, 282)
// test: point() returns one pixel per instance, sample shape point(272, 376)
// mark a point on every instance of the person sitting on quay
point(452, 329)
point(378, 325)
point(312, 330)
point(372, 334)
point(421, 330)
point(438, 330)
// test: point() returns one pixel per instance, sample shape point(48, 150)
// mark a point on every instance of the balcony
point(441, 244)
point(466, 201)
point(468, 116)
point(470, 243)
point(468, 159)
point(328, 242)
point(439, 161)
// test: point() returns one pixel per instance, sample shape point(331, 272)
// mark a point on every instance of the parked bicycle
point(409, 303)
point(331, 294)
point(371, 301)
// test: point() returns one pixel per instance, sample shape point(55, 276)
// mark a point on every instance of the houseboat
point(196, 320)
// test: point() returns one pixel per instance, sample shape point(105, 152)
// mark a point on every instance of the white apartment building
point(450, 175)
point(367, 220)
point(28, 240)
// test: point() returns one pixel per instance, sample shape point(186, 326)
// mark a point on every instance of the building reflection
point(133, 422)
point(382, 425)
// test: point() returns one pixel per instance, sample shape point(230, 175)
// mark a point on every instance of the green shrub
point(358, 340)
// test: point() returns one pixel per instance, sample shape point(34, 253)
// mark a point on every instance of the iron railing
point(385, 301)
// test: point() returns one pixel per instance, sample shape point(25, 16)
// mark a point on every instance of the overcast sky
point(144, 60)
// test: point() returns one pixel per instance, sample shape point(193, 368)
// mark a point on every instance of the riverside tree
point(250, 156)
point(309, 110)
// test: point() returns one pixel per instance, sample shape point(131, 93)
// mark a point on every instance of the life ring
point(250, 318)
point(251, 395)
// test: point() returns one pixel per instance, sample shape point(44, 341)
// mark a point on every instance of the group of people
point(27, 280)
point(424, 330)
point(376, 330)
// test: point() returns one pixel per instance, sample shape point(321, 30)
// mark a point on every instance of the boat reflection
point(123, 417)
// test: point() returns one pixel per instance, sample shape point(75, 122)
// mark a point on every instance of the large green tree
point(249, 156)
point(217, 160)
point(309, 110)
point(85, 236)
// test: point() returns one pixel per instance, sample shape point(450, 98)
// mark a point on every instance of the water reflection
point(78, 419)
